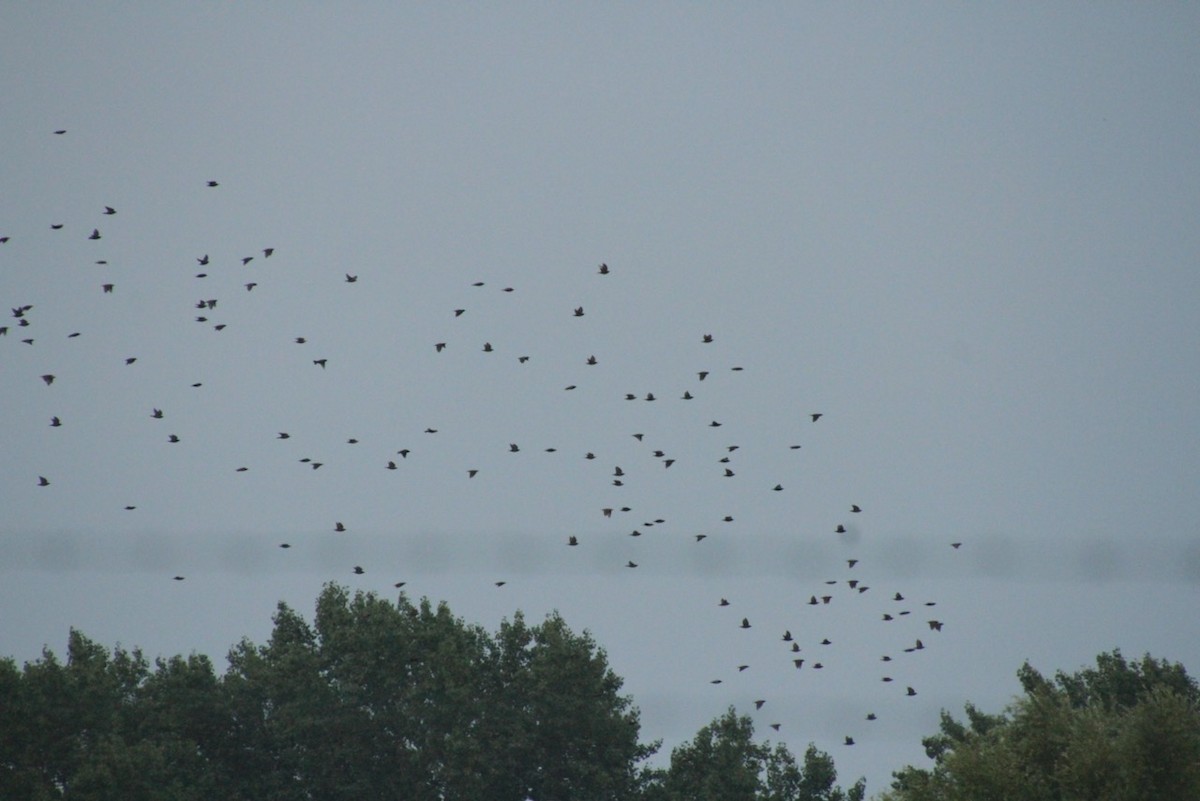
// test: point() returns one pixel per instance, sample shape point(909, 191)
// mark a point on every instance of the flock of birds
point(806, 651)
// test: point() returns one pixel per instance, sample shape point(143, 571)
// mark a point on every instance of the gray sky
point(965, 234)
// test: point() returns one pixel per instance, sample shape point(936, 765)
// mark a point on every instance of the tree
point(1122, 731)
point(724, 763)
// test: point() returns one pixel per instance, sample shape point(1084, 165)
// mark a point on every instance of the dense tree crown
point(1122, 731)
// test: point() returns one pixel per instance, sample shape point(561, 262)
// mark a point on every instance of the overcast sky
point(965, 234)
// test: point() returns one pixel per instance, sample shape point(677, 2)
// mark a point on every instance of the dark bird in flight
point(787, 636)
point(631, 563)
point(130, 508)
point(131, 360)
point(267, 252)
point(855, 508)
point(840, 529)
point(910, 691)
point(246, 260)
point(723, 602)
point(714, 424)
point(391, 465)
point(487, 347)
point(776, 726)
point(440, 346)
point(871, 716)
point(250, 286)
point(55, 422)
point(686, 395)
point(358, 571)
point(241, 469)
point(95, 234)
point(500, 583)
point(778, 488)
point(48, 378)
point(701, 537)
point(851, 562)
point(350, 279)
point(578, 311)
point(320, 362)
point(897, 597)
point(472, 473)
point(60, 133)
point(572, 540)
point(404, 453)
point(607, 512)
point(956, 545)
point(178, 578)
point(513, 447)
point(816, 416)
point(109, 210)
point(43, 481)
point(638, 437)
point(759, 703)
point(213, 183)
point(708, 338)
point(934, 625)
point(703, 374)
point(284, 435)
point(56, 226)
point(203, 260)
point(745, 623)
point(591, 360)
point(108, 288)
point(173, 438)
point(338, 527)
point(156, 414)
point(284, 545)
point(522, 359)
point(728, 473)
point(799, 663)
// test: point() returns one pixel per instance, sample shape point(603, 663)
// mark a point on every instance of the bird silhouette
point(350, 279)
point(95, 234)
point(49, 379)
point(55, 422)
point(339, 527)
point(109, 210)
point(43, 481)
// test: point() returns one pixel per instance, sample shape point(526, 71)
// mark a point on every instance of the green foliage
point(373, 700)
point(1122, 731)
point(724, 763)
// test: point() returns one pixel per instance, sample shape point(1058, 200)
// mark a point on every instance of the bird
point(910, 691)
point(701, 537)
point(339, 527)
point(178, 578)
point(203, 259)
point(934, 625)
point(213, 183)
point(320, 362)
point(130, 359)
point(109, 210)
point(778, 488)
point(631, 563)
point(391, 465)
point(487, 347)
point(49, 378)
point(472, 473)
point(246, 260)
point(440, 346)
point(250, 286)
point(591, 360)
point(267, 252)
point(855, 508)
point(686, 395)
point(956, 545)
point(500, 583)
point(55, 422)
point(871, 716)
point(572, 540)
point(745, 623)
point(840, 529)
point(816, 416)
point(43, 481)
point(350, 279)
point(723, 602)
point(157, 414)
point(56, 226)
point(787, 636)
point(130, 508)
point(799, 663)
point(284, 435)
point(578, 311)
point(851, 562)
point(707, 338)
point(284, 545)
point(60, 133)
point(459, 312)
point(95, 234)
point(759, 703)
point(776, 726)
point(108, 288)
point(358, 571)
point(173, 438)
point(703, 374)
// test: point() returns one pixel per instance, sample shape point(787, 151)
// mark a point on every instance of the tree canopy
point(372, 700)
point(1121, 731)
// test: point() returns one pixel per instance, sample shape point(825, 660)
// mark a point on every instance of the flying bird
point(95, 234)
point(213, 183)
point(572, 540)
point(48, 378)
point(816, 416)
point(578, 311)
point(267, 252)
point(603, 269)
point(745, 623)
point(109, 210)
point(43, 481)
point(350, 279)
point(55, 422)
point(338, 527)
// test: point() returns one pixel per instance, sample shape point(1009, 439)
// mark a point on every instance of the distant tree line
point(405, 702)
point(373, 700)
